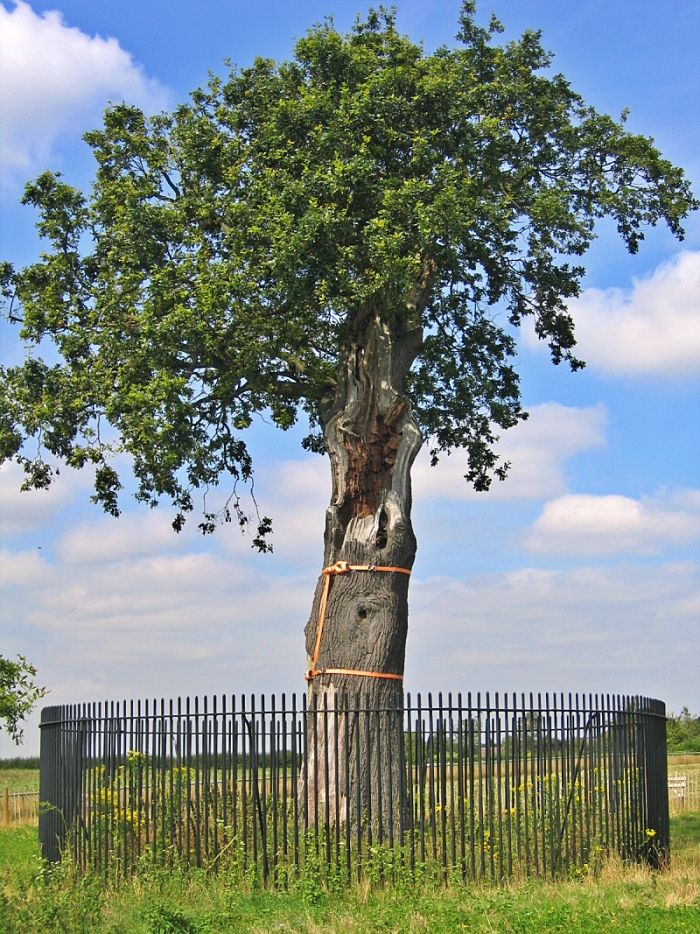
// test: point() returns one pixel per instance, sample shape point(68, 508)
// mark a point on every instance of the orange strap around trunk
point(342, 567)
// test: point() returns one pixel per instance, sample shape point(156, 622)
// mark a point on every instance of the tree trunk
point(372, 439)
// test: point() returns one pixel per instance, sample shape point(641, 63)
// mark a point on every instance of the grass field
point(621, 899)
point(631, 900)
point(19, 780)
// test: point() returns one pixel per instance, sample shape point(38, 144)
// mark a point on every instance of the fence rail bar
point(466, 789)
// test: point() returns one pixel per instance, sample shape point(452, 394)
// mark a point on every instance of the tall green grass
point(632, 900)
point(19, 780)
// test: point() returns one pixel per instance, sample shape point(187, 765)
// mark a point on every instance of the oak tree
point(351, 237)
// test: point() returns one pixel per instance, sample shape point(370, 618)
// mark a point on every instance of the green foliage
point(310, 882)
point(19, 846)
point(618, 899)
point(683, 732)
point(228, 252)
point(165, 919)
point(20, 762)
point(18, 693)
point(686, 831)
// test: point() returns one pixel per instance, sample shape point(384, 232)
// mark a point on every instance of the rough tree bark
point(372, 440)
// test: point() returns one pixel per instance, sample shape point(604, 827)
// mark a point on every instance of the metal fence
point(464, 788)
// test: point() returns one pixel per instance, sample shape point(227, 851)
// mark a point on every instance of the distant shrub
point(683, 732)
point(19, 762)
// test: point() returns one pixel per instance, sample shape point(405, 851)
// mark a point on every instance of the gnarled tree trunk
point(372, 439)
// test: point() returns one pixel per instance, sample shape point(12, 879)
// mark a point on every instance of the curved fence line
point(457, 788)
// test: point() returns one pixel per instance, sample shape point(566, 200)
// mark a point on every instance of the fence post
point(657, 784)
point(51, 824)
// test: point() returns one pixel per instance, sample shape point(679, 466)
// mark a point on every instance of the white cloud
point(149, 622)
point(26, 568)
point(132, 535)
point(305, 482)
point(54, 80)
point(163, 619)
point(125, 608)
point(581, 524)
point(633, 628)
point(25, 512)
point(652, 329)
point(295, 495)
point(537, 450)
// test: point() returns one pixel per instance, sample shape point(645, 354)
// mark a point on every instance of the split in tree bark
point(372, 440)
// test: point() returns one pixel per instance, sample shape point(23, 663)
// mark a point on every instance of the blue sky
point(580, 573)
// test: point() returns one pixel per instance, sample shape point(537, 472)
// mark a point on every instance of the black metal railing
point(487, 787)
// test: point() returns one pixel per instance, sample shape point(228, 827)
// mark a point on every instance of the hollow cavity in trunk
point(372, 440)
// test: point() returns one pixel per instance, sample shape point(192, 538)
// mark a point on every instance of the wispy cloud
point(148, 622)
point(134, 536)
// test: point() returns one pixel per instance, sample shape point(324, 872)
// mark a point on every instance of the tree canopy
point(227, 250)
point(683, 732)
point(18, 693)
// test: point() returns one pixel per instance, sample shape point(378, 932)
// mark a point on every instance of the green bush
point(168, 919)
point(20, 762)
point(683, 732)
